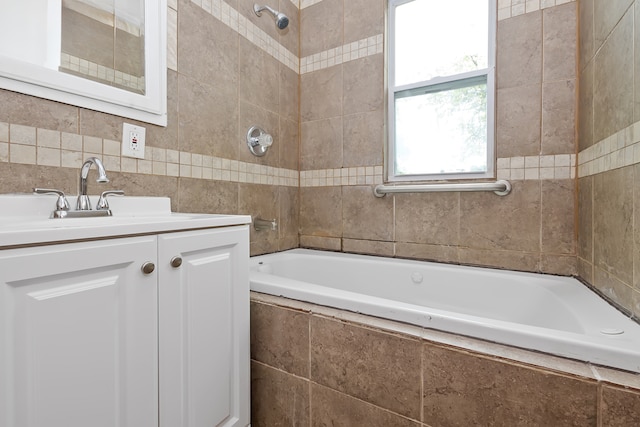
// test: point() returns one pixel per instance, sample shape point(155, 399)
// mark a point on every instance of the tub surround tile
point(511, 260)
point(362, 90)
point(288, 223)
point(502, 223)
point(636, 236)
point(613, 223)
point(364, 220)
point(557, 217)
point(289, 149)
point(332, 408)
point(492, 392)
point(369, 247)
point(519, 51)
point(321, 26)
point(321, 94)
point(359, 25)
point(558, 117)
point(559, 42)
point(586, 33)
point(321, 211)
point(316, 242)
point(289, 93)
point(378, 368)
point(559, 264)
point(612, 78)
point(465, 381)
point(277, 398)
point(616, 290)
point(585, 270)
point(606, 17)
point(585, 218)
point(585, 108)
point(636, 62)
point(620, 407)
point(259, 88)
point(321, 144)
point(518, 121)
point(280, 338)
point(422, 251)
point(431, 218)
point(435, 337)
point(363, 136)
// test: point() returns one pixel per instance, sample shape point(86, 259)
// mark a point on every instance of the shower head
point(281, 19)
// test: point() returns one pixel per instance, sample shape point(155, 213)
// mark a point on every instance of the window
point(441, 89)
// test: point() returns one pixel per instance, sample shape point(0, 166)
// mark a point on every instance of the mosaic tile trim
point(506, 8)
point(237, 22)
point(559, 166)
point(618, 150)
point(361, 175)
point(510, 8)
point(345, 53)
point(307, 3)
point(35, 146)
point(97, 71)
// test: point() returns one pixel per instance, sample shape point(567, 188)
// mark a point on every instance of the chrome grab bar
point(500, 187)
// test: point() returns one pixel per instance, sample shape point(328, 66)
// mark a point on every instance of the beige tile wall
point(313, 365)
point(341, 150)
point(609, 158)
point(228, 70)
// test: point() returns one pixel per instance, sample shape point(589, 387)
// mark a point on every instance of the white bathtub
point(556, 315)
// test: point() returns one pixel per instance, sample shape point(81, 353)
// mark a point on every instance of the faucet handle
point(103, 204)
point(61, 204)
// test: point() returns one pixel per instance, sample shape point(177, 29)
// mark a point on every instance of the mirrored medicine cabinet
point(105, 55)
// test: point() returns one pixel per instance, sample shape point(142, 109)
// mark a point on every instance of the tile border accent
point(341, 54)
point(361, 175)
point(34, 146)
point(510, 8)
point(558, 166)
point(506, 8)
point(616, 151)
point(307, 3)
point(527, 168)
point(247, 29)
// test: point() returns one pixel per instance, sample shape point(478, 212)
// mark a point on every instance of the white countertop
point(25, 219)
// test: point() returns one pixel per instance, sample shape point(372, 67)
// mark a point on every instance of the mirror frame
point(31, 79)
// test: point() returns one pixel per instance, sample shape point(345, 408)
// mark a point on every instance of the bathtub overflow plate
point(611, 331)
point(417, 277)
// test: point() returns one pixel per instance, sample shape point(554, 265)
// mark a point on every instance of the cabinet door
point(204, 328)
point(78, 335)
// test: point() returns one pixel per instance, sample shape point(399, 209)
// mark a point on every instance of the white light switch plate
point(133, 139)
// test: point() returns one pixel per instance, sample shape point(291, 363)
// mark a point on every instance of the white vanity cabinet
point(204, 328)
point(89, 339)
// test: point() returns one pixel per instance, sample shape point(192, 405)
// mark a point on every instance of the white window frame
point(438, 84)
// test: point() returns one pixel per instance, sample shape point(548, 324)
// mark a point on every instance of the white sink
point(25, 219)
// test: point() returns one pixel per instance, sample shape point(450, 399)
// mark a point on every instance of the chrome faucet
point(83, 200)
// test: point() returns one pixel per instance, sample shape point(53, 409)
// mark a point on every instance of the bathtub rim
point(626, 359)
